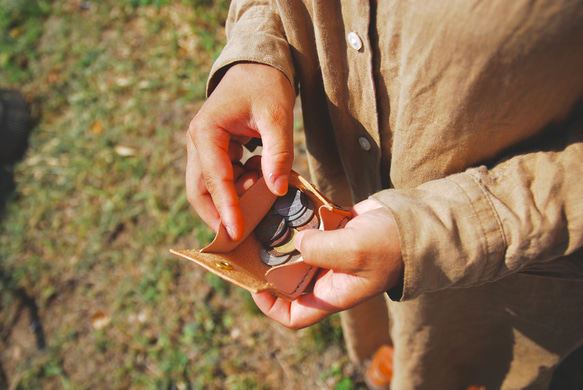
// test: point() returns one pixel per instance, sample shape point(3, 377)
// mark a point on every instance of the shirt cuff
point(450, 235)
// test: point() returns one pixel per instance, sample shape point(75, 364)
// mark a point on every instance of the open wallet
point(240, 263)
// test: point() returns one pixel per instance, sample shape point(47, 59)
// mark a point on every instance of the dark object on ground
point(15, 126)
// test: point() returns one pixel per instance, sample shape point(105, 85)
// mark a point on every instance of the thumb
point(325, 249)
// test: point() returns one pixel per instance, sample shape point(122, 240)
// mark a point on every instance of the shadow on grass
point(16, 124)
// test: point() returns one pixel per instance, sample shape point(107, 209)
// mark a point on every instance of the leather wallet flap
point(239, 262)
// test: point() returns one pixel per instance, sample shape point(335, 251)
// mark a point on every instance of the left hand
point(251, 100)
point(358, 262)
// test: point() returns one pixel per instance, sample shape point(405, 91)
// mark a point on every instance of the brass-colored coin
point(288, 246)
point(282, 240)
point(270, 229)
point(293, 203)
point(271, 259)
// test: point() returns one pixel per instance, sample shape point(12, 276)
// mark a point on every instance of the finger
point(253, 164)
point(196, 191)
point(245, 181)
point(217, 171)
point(300, 313)
point(333, 249)
point(238, 171)
point(366, 206)
point(235, 151)
point(240, 139)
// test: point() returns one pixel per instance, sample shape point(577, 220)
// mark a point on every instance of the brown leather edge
point(222, 267)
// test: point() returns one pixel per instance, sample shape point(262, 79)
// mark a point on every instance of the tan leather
point(239, 262)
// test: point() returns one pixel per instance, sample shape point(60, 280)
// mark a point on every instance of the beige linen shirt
point(464, 119)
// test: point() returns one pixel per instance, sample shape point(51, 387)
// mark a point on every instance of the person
point(455, 129)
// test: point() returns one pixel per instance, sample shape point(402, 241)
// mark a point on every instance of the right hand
point(357, 262)
point(251, 100)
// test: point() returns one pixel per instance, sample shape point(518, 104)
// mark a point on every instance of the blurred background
point(90, 296)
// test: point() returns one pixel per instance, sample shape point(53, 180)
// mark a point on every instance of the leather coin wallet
point(239, 262)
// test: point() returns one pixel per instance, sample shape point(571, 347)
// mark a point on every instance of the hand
point(252, 100)
point(359, 261)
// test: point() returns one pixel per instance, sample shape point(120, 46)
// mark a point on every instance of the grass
point(98, 201)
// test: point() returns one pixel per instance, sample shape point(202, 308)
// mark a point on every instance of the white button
point(354, 41)
point(364, 143)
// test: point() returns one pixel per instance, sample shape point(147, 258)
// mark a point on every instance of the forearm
point(254, 34)
point(481, 225)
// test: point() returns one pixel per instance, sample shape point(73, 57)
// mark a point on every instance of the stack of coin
point(292, 212)
point(297, 209)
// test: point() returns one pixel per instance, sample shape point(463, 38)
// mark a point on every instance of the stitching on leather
point(341, 223)
point(302, 281)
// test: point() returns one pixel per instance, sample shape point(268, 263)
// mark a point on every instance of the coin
point(313, 223)
point(288, 246)
point(271, 259)
point(281, 240)
point(295, 256)
point(291, 204)
point(271, 228)
point(303, 218)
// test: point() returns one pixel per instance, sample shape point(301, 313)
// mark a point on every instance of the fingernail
point(231, 233)
point(298, 240)
point(279, 184)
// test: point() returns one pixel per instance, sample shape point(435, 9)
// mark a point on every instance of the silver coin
point(291, 204)
point(271, 228)
point(313, 223)
point(295, 257)
point(272, 260)
point(303, 218)
point(289, 233)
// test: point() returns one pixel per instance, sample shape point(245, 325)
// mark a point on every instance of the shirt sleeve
point(518, 215)
point(254, 34)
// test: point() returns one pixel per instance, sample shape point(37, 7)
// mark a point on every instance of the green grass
point(99, 200)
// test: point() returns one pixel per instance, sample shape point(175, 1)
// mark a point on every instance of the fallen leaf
point(53, 77)
point(123, 81)
point(125, 151)
point(100, 319)
point(96, 128)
